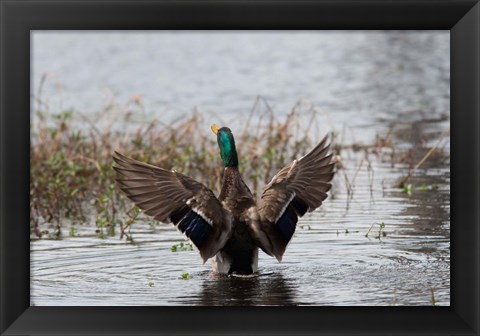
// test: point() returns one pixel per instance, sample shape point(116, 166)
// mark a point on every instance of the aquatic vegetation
point(182, 247)
point(380, 232)
point(444, 136)
point(72, 180)
point(71, 162)
point(425, 187)
point(305, 227)
point(185, 276)
point(72, 231)
point(132, 215)
point(407, 189)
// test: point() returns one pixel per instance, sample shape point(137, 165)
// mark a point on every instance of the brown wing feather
point(171, 197)
point(297, 188)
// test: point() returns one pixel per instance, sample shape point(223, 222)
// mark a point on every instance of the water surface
point(370, 84)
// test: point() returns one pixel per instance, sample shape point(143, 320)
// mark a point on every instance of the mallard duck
point(232, 227)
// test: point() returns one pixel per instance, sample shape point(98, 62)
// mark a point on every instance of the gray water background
point(369, 83)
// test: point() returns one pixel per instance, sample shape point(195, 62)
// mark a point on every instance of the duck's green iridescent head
point(225, 141)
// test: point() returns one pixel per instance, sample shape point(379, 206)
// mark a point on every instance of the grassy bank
point(72, 179)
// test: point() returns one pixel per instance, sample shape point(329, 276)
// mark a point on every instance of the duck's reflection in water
point(259, 289)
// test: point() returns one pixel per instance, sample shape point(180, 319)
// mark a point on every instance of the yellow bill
point(214, 128)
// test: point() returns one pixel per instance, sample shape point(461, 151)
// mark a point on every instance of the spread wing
point(299, 187)
point(171, 197)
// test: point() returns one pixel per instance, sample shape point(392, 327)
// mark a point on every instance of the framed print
point(338, 138)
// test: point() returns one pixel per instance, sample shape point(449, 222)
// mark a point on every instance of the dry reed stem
point(402, 182)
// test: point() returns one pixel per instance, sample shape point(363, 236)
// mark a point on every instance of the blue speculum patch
point(286, 223)
point(195, 227)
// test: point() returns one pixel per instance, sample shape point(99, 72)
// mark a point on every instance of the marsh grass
point(72, 180)
point(71, 159)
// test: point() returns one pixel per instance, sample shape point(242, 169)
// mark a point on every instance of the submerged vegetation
point(72, 180)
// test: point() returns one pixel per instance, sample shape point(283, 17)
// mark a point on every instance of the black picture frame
point(19, 17)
